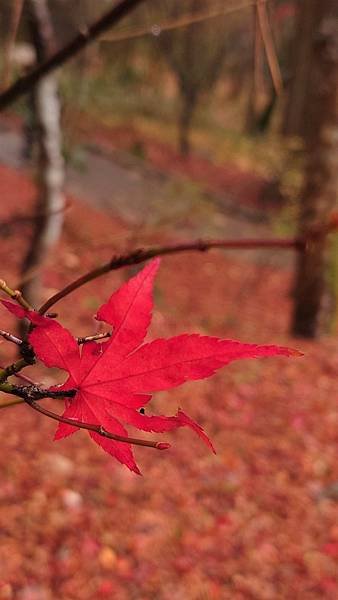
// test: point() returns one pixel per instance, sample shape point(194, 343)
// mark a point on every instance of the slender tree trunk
point(188, 106)
point(301, 56)
point(51, 201)
point(257, 79)
point(321, 174)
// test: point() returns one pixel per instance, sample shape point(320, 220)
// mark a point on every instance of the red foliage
point(257, 521)
point(113, 379)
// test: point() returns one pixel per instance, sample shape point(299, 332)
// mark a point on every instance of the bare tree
point(321, 174)
point(195, 53)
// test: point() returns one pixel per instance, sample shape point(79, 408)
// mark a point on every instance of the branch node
point(162, 446)
point(27, 353)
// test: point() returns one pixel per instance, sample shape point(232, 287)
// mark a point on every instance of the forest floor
point(257, 521)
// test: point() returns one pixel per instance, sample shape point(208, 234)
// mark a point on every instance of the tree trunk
point(321, 173)
point(301, 57)
point(188, 105)
point(50, 203)
point(184, 126)
point(257, 83)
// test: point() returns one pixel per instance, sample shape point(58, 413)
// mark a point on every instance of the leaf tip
point(294, 352)
point(136, 470)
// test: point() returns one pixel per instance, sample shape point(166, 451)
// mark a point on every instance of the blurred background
point(183, 120)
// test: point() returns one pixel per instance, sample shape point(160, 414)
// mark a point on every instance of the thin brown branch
point(269, 46)
point(31, 392)
point(16, 401)
point(30, 395)
point(82, 39)
point(10, 337)
point(142, 254)
point(96, 428)
point(80, 340)
point(23, 378)
point(182, 21)
point(93, 338)
point(13, 369)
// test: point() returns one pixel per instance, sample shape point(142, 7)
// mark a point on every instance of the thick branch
point(34, 392)
point(142, 254)
point(82, 39)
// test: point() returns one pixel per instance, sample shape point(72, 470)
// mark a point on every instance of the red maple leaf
point(115, 378)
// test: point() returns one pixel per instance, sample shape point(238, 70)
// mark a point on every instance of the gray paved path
point(124, 186)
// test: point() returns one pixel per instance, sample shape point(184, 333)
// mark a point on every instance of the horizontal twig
point(80, 340)
point(10, 337)
point(31, 392)
point(142, 254)
point(184, 20)
point(35, 392)
point(93, 338)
